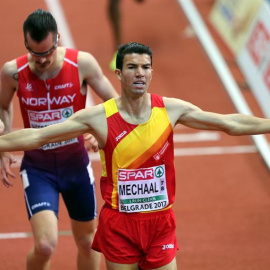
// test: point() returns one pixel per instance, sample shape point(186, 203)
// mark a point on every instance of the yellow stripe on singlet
point(110, 107)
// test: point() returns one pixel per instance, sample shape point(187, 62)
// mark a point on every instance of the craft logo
point(41, 204)
point(63, 86)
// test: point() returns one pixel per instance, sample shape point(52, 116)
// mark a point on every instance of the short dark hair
point(132, 47)
point(39, 24)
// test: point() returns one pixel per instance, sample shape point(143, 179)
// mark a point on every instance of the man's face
point(44, 52)
point(136, 74)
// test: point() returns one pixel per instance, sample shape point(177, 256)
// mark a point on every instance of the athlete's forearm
point(20, 140)
point(111, 90)
point(103, 88)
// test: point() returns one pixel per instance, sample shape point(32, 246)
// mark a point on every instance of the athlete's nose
point(42, 60)
point(139, 71)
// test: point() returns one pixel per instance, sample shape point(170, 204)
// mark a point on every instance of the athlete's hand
point(6, 160)
point(91, 143)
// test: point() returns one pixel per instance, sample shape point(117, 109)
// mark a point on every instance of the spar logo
point(45, 116)
point(67, 113)
point(159, 172)
point(131, 175)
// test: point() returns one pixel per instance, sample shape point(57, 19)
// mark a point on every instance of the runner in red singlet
point(51, 84)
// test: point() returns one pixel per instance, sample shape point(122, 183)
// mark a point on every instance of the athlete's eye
point(147, 67)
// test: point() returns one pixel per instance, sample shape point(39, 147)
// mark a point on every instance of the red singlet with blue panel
point(61, 167)
point(46, 102)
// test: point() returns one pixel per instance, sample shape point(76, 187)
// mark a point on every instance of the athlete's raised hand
point(91, 143)
point(6, 160)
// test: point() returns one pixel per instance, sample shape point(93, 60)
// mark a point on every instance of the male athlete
point(134, 131)
point(51, 84)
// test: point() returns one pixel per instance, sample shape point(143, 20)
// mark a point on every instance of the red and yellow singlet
point(138, 161)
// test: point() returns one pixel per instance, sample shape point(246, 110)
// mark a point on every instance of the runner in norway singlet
point(48, 102)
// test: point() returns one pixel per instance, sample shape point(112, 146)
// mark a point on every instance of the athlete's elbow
point(234, 131)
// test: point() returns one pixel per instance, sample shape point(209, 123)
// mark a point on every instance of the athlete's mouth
point(139, 83)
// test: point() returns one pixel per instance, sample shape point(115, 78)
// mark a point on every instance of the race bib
point(46, 118)
point(142, 189)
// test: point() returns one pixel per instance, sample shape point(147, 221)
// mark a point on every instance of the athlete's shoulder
point(9, 76)
point(70, 54)
point(9, 68)
point(171, 102)
point(86, 58)
point(157, 100)
point(88, 66)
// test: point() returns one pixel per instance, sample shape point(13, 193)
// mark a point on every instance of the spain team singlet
point(138, 172)
point(46, 102)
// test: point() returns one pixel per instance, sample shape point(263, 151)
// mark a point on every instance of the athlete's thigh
point(40, 191)
point(117, 266)
point(45, 227)
point(159, 239)
point(170, 266)
point(79, 194)
point(83, 229)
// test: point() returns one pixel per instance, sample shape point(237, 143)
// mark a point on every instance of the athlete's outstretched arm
point(30, 138)
point(233, 124)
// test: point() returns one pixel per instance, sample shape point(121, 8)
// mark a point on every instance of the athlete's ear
point(118, 73)
point(152, 74)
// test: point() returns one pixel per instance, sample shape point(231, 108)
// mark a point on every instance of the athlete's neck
point(135, 110)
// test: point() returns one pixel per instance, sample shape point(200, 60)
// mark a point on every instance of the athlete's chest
point(37, 94)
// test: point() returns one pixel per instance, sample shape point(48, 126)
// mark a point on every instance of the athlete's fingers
point(91, 143)
point(7, 165)
point(6, 160)
point(4, 178)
